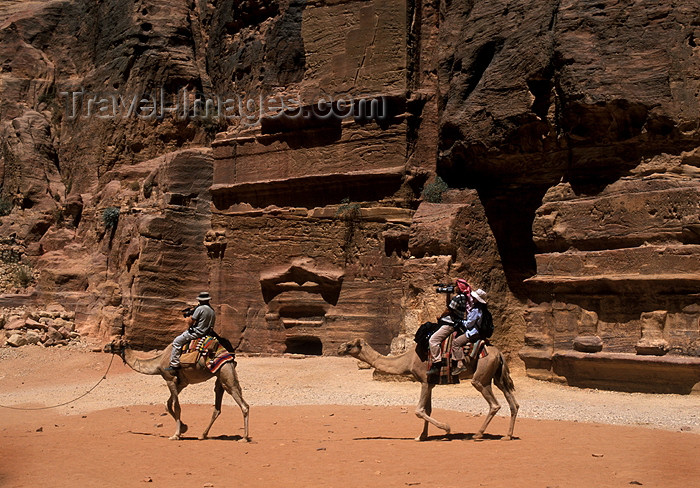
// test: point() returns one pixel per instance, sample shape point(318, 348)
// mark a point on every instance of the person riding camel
point(472, 326)
point(201, 323)
point(452, 319)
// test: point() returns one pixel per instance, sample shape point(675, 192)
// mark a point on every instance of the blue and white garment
point(473, 321)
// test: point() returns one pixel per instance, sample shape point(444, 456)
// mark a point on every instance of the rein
point(68, 402)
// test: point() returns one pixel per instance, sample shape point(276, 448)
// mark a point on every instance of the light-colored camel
point(492, 368)
point(226, 380)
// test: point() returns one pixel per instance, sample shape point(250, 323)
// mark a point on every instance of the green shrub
point(58, 216)
point(432, 192)
point(348, 211)
point(148, 189)
point(110, 217)
point(5, 207)
point(24, 276)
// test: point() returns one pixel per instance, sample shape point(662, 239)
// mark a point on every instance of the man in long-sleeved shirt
point(201, 324)
point(451, 320)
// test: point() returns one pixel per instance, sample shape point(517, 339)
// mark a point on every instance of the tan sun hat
point(204, 297)
point(480, 295)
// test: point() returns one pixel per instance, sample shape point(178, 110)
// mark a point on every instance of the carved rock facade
point(567, 132)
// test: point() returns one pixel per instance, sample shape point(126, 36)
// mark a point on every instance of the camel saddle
point(206, 351)
point(445, 377)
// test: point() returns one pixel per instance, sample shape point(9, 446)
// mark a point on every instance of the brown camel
point(226, 380)
point(492, 368)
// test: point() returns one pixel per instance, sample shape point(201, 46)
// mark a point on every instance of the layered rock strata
point(567, 133)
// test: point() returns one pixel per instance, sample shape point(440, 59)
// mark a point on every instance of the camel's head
point(351, 348)
point(117, 346)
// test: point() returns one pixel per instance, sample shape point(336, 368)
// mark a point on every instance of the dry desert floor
point(323, 422)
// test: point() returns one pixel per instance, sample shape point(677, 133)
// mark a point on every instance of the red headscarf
point(463, 286)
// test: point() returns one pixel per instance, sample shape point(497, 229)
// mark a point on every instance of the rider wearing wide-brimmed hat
point(471, 326)
point(201, 323)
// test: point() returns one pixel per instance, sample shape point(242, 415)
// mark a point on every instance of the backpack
point(423, 334)
point(485, 326)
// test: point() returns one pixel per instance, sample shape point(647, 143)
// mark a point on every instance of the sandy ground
point(324, 422)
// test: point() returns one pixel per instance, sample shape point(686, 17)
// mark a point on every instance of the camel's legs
point(218, 397)
point(229, 380)
point(173, 405)
point(494, 406)
point(512, 404)
point(424, 410)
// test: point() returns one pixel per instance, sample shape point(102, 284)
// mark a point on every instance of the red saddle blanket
point(206, 351)
point(445, 377)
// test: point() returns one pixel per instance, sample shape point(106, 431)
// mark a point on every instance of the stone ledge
point(367, 184)
point(668, 282)
point(617, 371)
point(10, 300)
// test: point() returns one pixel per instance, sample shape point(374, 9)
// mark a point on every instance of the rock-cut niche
point(298, 297)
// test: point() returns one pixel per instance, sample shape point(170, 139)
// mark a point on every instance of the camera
point(442, 288)
point(187, 312)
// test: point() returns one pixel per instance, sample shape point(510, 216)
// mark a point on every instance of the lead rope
point(71, 401)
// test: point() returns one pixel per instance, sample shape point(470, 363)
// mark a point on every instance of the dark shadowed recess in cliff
point(308, 345)
point(322, 122)
point(310, 191)
point(285, 47)
point(607, 140)
point(250, 61)
point(511, 188)
point(603, 142)
point(510, 213)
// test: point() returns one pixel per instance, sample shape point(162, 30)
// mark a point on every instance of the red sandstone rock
point(575, 136)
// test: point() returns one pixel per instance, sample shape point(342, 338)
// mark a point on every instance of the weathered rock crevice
point(567, 133)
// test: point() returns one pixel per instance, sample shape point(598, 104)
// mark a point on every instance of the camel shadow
point(222, 437)
point(152, 434)
point(440, 437)
point(469, 437)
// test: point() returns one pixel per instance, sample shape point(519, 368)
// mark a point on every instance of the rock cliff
point(318, 165)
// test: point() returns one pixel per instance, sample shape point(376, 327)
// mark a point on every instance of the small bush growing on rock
point(147, 189)
point(24, 276)
point(348, 211)
point(110, 217)
point(432, 192)
point(5, 207)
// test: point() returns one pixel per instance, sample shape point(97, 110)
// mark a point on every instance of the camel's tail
point(506, 380)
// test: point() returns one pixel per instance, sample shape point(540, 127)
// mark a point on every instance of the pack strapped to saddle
point(485, 326)
point(423, 334)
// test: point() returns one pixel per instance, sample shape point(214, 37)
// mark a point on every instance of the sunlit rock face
point(567, 134)
point(578, 124)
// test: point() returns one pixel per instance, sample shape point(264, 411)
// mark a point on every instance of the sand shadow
point(223, 437)
point(153, 434)
point(440, 437)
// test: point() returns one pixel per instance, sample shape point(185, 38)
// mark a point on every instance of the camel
point(226, 380)
point(492, 368)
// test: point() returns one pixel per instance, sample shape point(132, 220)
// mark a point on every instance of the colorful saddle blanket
point(445, 377)
point(480, 349)
point(208, 352)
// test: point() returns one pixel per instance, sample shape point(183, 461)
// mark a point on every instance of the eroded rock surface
point(567, 132)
